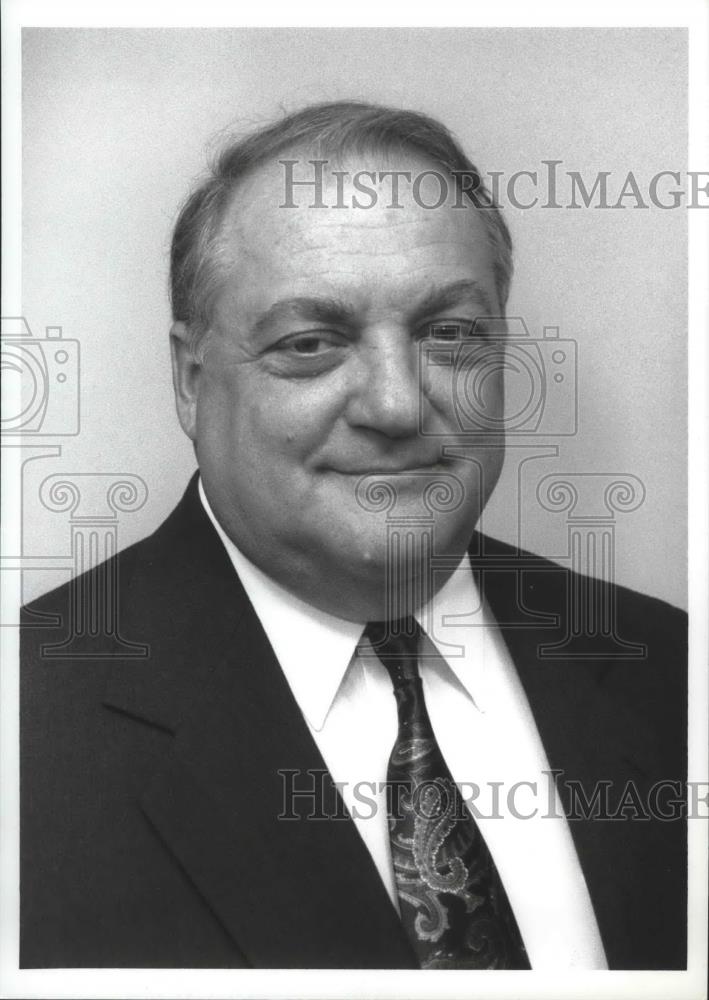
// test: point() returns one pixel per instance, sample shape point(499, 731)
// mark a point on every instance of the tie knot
point(396, 643)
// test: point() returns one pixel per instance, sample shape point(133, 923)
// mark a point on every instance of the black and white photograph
point(354, 510)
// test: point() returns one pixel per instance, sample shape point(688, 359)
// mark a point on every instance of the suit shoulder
point(541, 571)
point(119, 567)
point(155, 550)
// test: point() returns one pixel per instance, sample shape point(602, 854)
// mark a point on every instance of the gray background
point(117, 123)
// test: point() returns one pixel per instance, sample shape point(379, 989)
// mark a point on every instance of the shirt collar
point(315, 648)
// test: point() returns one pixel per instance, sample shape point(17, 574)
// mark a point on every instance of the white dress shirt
point(483, 725)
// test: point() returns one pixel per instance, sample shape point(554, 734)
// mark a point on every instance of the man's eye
point(448, 330)
point(307, 353)
point(306, 345)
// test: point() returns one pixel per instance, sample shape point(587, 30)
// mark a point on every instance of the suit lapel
point(293, 892)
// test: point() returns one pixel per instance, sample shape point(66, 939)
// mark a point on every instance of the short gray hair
point(339, 127)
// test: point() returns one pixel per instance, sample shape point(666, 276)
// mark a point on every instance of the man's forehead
point(366, 251)
point(344, 185)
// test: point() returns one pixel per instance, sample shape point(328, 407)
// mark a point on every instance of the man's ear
point(186, 370)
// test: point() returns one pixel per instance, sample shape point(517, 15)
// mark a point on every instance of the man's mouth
point(392, 469)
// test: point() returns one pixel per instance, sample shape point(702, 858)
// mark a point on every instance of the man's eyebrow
point(318, 309)
point(447, 296)
point(326, 309)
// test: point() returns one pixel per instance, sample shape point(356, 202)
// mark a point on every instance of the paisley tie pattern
point(453, 905)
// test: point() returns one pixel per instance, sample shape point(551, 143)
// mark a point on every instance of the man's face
point(310, 381)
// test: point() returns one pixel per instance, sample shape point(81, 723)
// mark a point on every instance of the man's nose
point(386, 393)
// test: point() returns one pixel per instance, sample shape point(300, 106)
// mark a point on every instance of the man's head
point(301, 321)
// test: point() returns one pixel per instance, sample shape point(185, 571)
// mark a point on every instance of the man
point(227, 800)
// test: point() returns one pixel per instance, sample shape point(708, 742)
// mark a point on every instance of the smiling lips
point(393, 470)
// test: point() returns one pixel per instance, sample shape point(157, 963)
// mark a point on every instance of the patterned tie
point(453, 905)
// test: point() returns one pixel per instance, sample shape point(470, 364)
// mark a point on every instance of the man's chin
point(388, 573)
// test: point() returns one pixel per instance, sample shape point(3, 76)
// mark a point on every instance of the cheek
point(263, 432)
point(295, 418)
point(232, 414)
point(471, 396)
point(269, 423)
point(478, 389)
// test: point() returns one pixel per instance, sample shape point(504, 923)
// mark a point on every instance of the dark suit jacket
point(150, 790)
